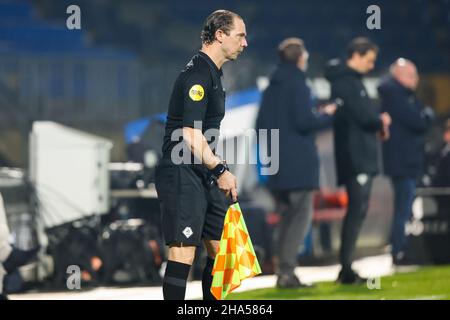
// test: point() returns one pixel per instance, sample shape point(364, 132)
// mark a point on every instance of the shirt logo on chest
point(196, 92)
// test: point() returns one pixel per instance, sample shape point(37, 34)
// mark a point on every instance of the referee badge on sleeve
point(196, 92)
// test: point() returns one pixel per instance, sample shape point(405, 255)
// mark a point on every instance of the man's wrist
point(219, 169)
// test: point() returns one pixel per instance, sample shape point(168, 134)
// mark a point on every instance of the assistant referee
point(193, 196)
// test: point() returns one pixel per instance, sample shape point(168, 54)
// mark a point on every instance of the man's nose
point(244, 43)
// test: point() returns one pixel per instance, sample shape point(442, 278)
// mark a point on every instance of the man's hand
point(329, 109)
point(386, 119)
point(228, 184)
point(384, 133)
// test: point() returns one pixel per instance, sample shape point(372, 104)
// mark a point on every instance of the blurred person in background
point(356, 126)
point(287, 105)
point(403, 153)
point(10, 258)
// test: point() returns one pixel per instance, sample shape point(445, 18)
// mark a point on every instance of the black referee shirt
point(197, 95)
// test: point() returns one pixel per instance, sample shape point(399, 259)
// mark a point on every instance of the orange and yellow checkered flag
point(236, 259)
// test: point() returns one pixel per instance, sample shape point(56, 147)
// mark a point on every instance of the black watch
point(219, 169)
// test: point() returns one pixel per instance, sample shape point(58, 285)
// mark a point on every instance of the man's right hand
point(384, 134)
point(228, 184)
point(386, 119)
point(329, 109)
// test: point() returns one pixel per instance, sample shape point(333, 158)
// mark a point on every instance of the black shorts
point(191, 208)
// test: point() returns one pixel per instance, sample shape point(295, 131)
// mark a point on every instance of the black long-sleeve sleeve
point(304, 119)
point(358, 105)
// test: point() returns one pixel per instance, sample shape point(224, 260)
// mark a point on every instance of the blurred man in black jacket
point(286, 105)
point(356, 125)
point(403, 153)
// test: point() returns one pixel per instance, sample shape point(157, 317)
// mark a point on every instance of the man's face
point(408, 77)
point(365, 63)
point(235, 43)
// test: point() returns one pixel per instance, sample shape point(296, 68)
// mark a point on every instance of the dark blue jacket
point(287, 105)
point(403, 153)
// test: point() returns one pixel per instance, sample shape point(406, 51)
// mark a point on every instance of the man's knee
point(359, 205)
point(182, 254)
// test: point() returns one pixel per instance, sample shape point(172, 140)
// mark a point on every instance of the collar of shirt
point(211, 63)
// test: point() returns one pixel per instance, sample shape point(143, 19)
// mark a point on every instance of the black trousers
point(358, 189)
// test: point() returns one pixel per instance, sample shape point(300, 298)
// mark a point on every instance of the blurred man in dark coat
point(286, 105)
point(403, 153)
point(356, 125)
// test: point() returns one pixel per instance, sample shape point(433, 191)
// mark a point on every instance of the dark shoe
point(306, 285)
point(350, 277)
point(18, 258)
point(402, 260)
point(290, 282)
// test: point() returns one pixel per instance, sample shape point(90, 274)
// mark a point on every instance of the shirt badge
point(188, 232)
point(196, 93)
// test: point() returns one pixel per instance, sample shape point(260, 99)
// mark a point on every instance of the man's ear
point(299, 61)
point(219, 35)
point(354, 56)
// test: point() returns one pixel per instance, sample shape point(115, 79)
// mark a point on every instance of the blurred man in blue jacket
point(286, 105)
point(403, 153)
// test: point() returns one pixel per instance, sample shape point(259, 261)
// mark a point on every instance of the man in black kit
point(193, 208)
point(356, 127)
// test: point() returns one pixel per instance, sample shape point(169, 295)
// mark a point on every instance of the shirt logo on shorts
point(362, 179)
point(196, 92)
point(187, 232)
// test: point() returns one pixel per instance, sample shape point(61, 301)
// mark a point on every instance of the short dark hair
point(360, 45)
point(291, 49)
point(218, 20)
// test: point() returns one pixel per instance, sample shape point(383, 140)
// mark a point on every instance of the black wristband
point(219, 170)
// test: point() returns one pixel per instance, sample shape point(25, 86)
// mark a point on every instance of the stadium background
point(122, 63)
point(123, 60)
